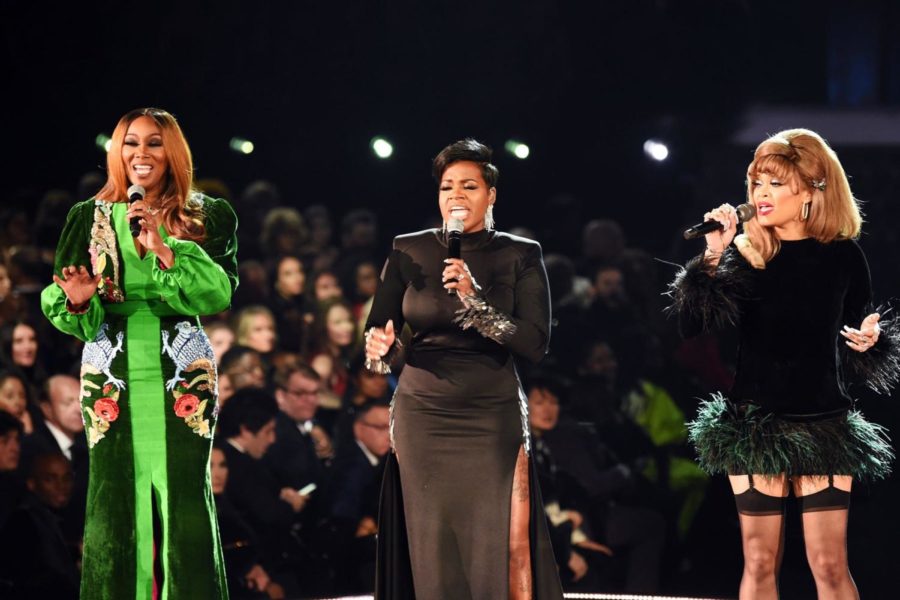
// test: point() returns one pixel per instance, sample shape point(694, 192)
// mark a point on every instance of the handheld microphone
point(454, 241)
point(745, 212)
point(135, 193)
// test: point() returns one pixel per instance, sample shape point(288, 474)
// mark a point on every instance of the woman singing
point(465, 520)
point(148, 375)
point(796, 281)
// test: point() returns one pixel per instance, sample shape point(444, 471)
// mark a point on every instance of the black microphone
point(745, 212)
point(454, 241)
point(135, 193)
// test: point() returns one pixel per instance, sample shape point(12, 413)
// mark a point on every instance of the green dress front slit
point(148, 395)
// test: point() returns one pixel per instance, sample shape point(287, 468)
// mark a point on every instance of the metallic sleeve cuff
point(382, 366)
point(490, 322)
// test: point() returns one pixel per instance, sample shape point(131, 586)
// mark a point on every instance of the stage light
point(103, 142)
point(656, 150)
point(517, 149)
point(381, 147)
point(241, 145)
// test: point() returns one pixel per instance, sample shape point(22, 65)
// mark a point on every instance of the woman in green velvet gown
point(148, 375)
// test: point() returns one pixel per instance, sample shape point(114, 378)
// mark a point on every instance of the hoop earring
point(804, 212)
point(489, 218)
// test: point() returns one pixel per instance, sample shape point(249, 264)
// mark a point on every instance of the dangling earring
point(804, 212)
point(489, 217)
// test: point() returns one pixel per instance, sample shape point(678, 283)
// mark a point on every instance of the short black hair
point(251, 408)
point(233, 355)
point(466, 150)
point(364, 409)
point(551, 382)
point(10, 423)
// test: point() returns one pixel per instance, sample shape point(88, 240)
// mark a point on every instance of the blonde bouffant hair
point(804, 160)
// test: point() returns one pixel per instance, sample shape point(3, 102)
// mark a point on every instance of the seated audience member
point(19, 350)
point(11, 485)
point(14, 398)
point(595, 482)
point(247, 579)
point(241, 367)
point(325, 286)
point(293, 309)
point(221, 338)
point(365, 387)
point(333, 346)
point(62, 430)
point(294, 457)
point(247, 424)
point(353, 493)
point(254, 327)
point(40, 564)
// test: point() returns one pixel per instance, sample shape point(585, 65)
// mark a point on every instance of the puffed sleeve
point(879, 366)
point(387, 305)
point(525, 332)
point(73, 250)
point(707, 298)
point(203, 276)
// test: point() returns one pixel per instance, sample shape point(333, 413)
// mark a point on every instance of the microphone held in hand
point(745, 212)
point(454, 241)
point(135, 193)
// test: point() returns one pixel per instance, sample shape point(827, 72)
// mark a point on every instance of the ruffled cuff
point(382, 366)
point(490, 322)
point(709, 295)
point(879, 366)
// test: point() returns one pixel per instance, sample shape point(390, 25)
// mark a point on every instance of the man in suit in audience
point(247, 422)
point(62, 430)
point(353, 496)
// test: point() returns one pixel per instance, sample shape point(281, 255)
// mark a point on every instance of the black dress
point(459, 419)
point(790, 409)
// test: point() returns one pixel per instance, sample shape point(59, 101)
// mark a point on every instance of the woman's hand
point(77, 284)
point(577, 565)
point(718, 241)
point(456, 276)
point(866, 336)
point(379, 341)
point(257, 578)
point(296, 500)
point(149, 237)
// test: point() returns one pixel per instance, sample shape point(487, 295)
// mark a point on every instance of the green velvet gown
point(148, 397)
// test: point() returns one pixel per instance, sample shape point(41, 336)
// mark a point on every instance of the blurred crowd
point(304, 428)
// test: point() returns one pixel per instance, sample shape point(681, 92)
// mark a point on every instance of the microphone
point(135, 193)
point(745, 212)
point(454, 241)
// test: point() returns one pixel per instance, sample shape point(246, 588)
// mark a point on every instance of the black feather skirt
point(743, 438)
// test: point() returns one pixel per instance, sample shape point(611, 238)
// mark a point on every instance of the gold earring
point(804, 212)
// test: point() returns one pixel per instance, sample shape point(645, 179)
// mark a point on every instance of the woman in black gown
point(461, 515)
point(796, 280)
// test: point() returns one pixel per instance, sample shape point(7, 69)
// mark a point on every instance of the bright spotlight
point(517, 149)
point(103, 142)
point(241, 145)
point(382, 148)
point(656, 150)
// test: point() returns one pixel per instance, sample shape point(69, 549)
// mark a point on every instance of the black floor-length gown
point(459, 419)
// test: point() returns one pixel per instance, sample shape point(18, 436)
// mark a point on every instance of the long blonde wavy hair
point(802, 158)
point(182, 218)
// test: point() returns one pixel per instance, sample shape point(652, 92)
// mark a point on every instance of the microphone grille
point(455, 226)
point(745, 212)
point(136, 190)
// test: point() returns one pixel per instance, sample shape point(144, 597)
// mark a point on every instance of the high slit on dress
point(459, 420)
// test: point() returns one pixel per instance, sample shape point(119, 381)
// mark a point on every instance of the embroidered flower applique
point(96, 362)
point(191, 352)
point(103, 250)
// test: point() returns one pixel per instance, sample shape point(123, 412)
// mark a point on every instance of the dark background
point(582, 83)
